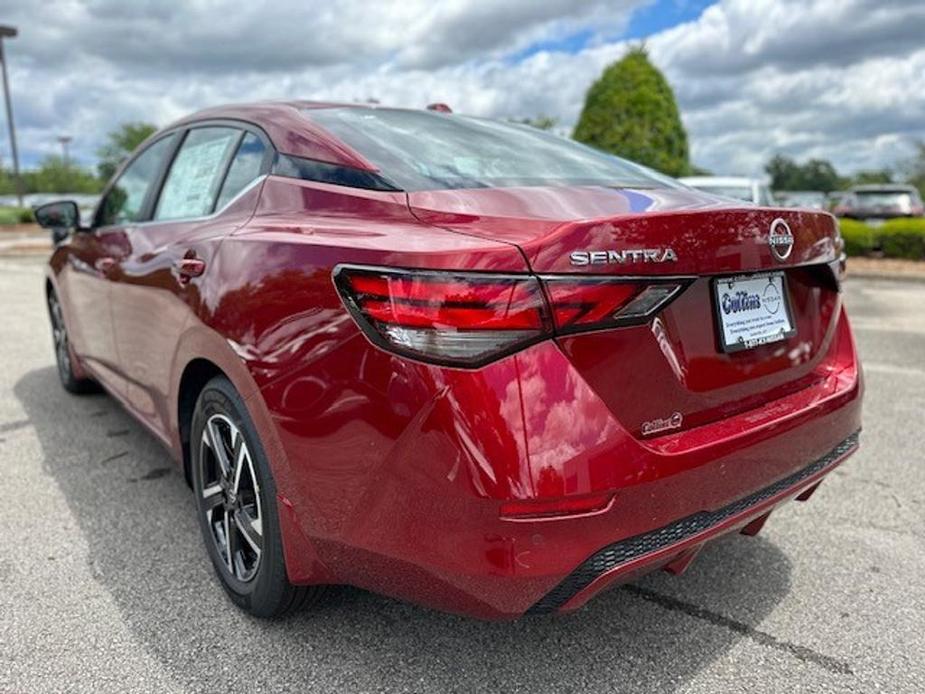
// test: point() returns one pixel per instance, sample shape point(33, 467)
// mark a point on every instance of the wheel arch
point(208, 360)
point(196, 374)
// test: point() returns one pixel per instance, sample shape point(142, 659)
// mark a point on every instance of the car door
point(206, 194)
point(92, 258)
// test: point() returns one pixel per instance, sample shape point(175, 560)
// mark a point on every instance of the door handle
point(104, 264)
point(188, 268)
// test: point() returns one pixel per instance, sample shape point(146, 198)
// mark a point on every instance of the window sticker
point(190, 186)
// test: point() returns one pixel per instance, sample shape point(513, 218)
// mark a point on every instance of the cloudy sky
point(839, 79)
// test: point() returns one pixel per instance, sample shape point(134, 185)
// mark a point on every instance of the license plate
point(752, 310)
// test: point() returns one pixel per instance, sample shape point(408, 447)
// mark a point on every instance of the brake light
point(453, 319)
point(469, 319)
point(584, 304)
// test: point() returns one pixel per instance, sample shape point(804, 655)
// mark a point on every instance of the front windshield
point(420, 150)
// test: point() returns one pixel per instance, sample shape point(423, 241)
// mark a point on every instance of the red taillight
point(469, 319)
point(427, 301)
point(577, 303)
point(447, 318)
point(586, 304)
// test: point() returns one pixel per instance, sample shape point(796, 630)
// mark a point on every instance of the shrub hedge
point(15, 215)
point(859, 237)
point(895, 238)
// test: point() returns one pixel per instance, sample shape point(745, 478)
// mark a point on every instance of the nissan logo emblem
point(780, 239)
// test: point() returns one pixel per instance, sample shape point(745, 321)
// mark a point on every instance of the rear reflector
point(469, 319)
point(552, 508)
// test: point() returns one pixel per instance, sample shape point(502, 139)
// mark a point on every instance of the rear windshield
point(419, 150)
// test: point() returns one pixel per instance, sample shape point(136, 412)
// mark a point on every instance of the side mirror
point(60, 217)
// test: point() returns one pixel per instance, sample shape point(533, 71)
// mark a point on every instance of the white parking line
point(880, 367)
point(886, 326)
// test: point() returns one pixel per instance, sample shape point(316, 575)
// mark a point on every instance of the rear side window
point(245, 167)
point(195, 173)
point(125, 200)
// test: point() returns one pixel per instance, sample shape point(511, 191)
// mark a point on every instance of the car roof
point(720, 181)
point(290, 128)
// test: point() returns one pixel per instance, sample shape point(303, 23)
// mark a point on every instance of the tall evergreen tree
point(631, 112)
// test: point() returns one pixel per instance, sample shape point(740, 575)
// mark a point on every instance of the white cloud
point(840, 79)
point(829, 78)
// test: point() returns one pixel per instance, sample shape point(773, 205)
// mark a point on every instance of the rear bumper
point(406, 501)
point(630, 557)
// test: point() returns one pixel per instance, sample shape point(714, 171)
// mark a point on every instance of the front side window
point(245, 167)
point(125, 200)
point(192, 184)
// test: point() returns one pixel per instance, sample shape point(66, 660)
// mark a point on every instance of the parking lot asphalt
point(104, 585)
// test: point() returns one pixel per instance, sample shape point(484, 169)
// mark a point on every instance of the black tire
point(64, 354)
point(236, 506)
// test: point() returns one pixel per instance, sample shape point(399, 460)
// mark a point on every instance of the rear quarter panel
point(339, 411)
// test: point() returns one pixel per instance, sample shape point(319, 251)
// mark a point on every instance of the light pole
point(9, 33)
point(65, 140)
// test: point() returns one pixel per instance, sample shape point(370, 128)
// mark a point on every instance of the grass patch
point(15, 215)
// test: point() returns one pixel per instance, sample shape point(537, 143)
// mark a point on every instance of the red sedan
point(457, 361)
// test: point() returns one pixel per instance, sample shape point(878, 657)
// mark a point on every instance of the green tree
point(815, 174)
point(819, 174)
point(55, 175)
point(784, 173)
point(631, 111)
point(120, 143)
point(540, 122)
point(7, 185)
point(873, 176)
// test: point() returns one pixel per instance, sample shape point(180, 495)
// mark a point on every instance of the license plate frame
point(752, 326)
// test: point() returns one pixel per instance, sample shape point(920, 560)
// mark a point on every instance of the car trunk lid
point(674, 371)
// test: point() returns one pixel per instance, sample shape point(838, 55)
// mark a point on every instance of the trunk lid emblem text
point(629, 256)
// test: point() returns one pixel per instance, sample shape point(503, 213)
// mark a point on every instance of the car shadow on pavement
point(135, 513)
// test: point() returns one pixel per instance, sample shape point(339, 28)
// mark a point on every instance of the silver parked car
point(753, 190)
point(881, 201)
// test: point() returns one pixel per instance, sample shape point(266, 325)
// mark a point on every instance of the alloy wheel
point(231, 497)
